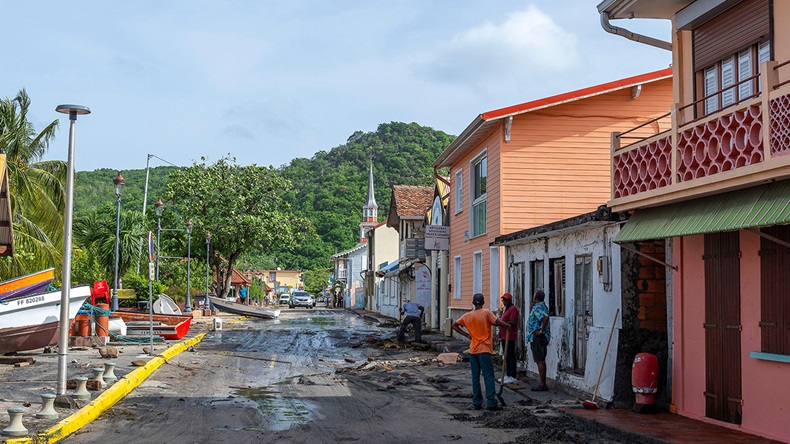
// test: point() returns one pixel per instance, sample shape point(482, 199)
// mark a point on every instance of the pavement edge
point(110, 397)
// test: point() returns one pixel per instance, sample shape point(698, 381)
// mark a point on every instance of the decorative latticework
point(642, 169)
point(780, 125)
point(728, 142)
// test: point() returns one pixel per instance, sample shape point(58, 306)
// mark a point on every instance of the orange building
point(534, 163)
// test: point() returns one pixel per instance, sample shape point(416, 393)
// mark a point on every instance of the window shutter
point(727, 79)
point(739, 27)
point(744, 72)
point(775, 292)
point(711, 86)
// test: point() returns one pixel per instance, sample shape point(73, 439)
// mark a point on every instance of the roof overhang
point(644, 9)
point(601, 217)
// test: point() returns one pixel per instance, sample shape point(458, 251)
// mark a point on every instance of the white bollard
point(98, 372)
point(217, 324)
point(47, 407)
point(15, 427)
point(109, 372)
point(82, 389)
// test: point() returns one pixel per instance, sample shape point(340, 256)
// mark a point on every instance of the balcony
point(341, 274)
point(743, 145)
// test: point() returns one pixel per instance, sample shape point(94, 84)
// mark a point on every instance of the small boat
point(166, 305)
point(244, 309)
point(33, 321)
point(26, 285)
point(167, 326)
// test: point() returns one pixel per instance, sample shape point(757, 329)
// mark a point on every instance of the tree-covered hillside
point(329, 189)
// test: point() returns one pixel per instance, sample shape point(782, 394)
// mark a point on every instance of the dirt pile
point(510, 418)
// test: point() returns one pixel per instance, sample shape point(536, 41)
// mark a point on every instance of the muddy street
point(320, 376)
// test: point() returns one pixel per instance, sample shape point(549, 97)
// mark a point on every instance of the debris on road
point(109, 352)
point(448, 358)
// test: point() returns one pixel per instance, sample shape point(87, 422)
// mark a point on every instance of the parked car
point(285, 299)
point(302, 299)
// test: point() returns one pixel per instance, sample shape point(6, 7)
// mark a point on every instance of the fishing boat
point(33, 283)
point(244, 309)
point(33, 321)
point(167, 326)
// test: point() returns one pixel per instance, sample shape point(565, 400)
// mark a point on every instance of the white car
point(285, 299)
point(303, 299)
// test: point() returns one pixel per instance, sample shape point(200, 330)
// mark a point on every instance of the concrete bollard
point(98, 374)
point(15, 427)
point(47, 407)
point(217, 324)
point(109, 372)
point(82, 390)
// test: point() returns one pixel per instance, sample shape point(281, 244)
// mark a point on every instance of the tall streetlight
point(63, 340)
point(160, 208)
point(208, 248)
point(119, 183)
point(188, 303)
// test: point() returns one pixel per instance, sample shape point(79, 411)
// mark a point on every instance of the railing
point(750, 131)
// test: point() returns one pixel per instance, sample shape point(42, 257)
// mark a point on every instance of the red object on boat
point(167, 326)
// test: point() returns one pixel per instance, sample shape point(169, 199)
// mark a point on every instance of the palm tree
point(36, 188)
point(95, 232)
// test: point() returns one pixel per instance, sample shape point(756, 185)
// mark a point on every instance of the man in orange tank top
point(478, 324)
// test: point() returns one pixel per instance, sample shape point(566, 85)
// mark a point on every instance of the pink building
point(716, 186)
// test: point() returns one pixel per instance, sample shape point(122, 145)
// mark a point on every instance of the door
point(517, 290)
point(582, 295)
point(722, 327)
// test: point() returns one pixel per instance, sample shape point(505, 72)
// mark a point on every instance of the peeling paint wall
point(592, 240)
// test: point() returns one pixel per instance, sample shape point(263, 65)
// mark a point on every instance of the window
point(477, 272)
point(457, 277)
point(582, 288)
point(775, 292)
point(459, 191)
point(557, 287)
point(535, 277)
point(719, 79)
point(478, 195)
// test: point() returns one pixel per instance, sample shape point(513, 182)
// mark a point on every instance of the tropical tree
point(95, 232)
point(36, 188)
point(242, 207)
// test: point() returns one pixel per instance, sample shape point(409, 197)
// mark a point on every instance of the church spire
point(370, 216)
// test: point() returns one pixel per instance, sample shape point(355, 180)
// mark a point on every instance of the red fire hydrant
point(644, 381)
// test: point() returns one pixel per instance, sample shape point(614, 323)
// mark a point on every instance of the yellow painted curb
point(112, 395)
point(243, 318)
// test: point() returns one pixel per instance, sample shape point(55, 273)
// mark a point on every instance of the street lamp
point(119, 183)
point(160, 208)
point(208, 247)
point(63, 340)
point(188, 303)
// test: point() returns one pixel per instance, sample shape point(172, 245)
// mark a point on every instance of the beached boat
point(33, 283)
point(33, 321)
point(244, 309)
point(167, 326)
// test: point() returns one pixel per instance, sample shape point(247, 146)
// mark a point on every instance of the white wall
point(605, 304)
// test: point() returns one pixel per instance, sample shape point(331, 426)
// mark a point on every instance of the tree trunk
point(225, 275)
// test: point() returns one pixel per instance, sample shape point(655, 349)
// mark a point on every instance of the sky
point(267, 82)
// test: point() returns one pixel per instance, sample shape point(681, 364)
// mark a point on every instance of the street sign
point(437, 237)
point(151, 271)
point(151, 256)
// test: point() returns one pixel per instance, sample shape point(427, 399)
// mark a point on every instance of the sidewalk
point(661, 427)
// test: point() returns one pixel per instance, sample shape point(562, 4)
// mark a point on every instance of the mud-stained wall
point(644, 320)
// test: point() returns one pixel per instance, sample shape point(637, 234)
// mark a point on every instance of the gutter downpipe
point(639, 38)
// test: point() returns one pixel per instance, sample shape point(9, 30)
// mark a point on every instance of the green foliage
point(96, 188)
point(140, 286)
point(315, 281)
point(95, 233)
point(85, 270)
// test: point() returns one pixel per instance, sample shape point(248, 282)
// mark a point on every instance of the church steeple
point(370, 212)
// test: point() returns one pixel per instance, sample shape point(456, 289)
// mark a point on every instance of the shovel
point(504, 366)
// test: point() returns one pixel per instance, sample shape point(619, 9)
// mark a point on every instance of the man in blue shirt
point(243, 294)
point(538, 335)
point(413, 312)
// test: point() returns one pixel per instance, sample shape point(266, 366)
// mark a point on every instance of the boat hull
point(26, 285)
point(243, 309)
point(167, 326)
point(31, 322)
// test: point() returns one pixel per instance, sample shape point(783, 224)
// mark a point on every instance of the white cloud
point(526, 44)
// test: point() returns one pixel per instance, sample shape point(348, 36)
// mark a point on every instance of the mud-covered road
point(317, 376)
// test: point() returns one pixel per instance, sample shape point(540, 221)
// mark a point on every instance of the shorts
point(540, 348)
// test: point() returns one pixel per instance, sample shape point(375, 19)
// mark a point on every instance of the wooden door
point(722, 327)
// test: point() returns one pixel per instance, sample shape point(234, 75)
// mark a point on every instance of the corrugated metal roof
point(754, 207)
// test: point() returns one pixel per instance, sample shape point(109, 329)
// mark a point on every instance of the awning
point(754, 207)
point(387, 269)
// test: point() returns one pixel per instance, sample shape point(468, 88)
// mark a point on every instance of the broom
point(504, 365)
point(591, 405)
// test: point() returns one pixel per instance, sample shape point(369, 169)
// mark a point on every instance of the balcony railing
point(734, 147)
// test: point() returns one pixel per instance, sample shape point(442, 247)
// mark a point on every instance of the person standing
point(413, 312)
point(478, 324)
point(539, 335)
point(508, 337)
point(243, 294)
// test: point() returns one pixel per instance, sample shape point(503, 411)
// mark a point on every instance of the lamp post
point(160, 208)
point(119, 183)
point(63, 340)
point(208, 247)
point(188, 303)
